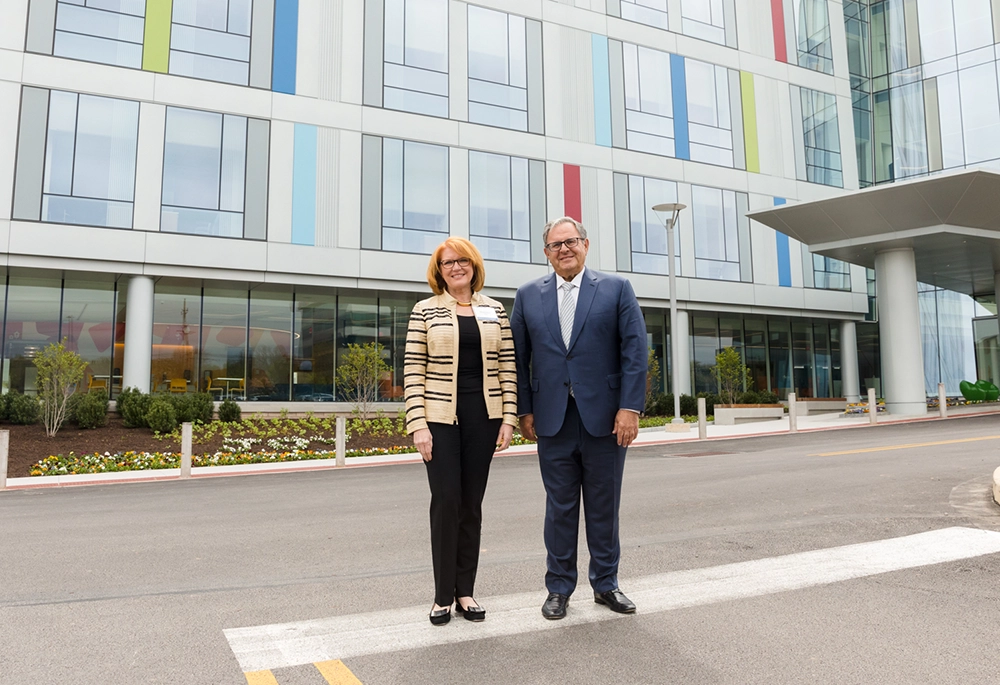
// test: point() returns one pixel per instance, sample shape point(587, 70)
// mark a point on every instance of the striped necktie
point(566, 312)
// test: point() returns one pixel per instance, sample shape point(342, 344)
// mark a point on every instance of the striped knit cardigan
point(430, 372)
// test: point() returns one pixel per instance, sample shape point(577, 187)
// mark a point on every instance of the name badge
point(485, 313)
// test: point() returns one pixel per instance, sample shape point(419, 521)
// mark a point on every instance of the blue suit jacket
point(605, 363)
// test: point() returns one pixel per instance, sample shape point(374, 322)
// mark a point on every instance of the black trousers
point(457, 473)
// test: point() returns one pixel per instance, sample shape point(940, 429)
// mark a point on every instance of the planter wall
point(823, 405)
point(733, 414)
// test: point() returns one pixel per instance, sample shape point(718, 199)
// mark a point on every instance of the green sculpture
point(979, 391)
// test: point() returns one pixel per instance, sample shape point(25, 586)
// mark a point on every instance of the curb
point(996, 485)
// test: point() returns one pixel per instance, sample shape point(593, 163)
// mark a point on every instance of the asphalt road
point(135, 583)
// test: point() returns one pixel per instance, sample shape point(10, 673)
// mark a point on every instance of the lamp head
point(668, 212)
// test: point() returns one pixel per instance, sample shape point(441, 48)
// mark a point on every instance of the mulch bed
point(29, 444)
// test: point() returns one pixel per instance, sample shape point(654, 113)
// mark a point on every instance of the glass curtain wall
point(224, 341)
point(269, 350)
point(88, 324)
point(393, 321)
point(32, 322)
point(314, 343)
point(176, 327)
point(357, 324)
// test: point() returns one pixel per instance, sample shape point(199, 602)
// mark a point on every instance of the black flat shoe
point(440, 616)
point(615, 600)
point(555, 606)
point(473, 613)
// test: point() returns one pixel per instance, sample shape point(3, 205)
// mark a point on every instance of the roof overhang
point(951, 221)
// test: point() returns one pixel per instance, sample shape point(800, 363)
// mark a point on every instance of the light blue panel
point(286, 39)
point(678, 85)
point(304, 186)
point(602, 90)
point(784, 257)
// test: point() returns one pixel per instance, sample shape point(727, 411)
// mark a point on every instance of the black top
point(470, 356)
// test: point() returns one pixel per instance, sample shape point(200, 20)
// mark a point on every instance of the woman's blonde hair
point(464, 248)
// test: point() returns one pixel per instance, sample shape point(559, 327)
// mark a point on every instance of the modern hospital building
point(226, 193)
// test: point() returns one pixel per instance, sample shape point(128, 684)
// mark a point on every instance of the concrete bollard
point(942, 402)
point(186, 449)
point(872, 407)
point(4, 448)
point(793, 421)
point(702, 419)
point(341, 441)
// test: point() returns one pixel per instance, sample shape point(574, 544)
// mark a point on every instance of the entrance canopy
point(951, 222)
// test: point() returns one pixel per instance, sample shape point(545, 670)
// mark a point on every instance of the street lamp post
point(668, 213)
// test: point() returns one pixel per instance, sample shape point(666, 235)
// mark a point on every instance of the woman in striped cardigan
point(461, 407)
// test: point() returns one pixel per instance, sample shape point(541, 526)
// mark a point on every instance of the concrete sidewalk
point(647, 436)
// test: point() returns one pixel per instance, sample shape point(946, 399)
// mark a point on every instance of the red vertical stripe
point(572, 205)
point(778, 24)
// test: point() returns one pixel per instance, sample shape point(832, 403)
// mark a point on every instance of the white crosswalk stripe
point(291, 644)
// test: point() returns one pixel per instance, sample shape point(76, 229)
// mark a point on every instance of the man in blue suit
point(581, 351)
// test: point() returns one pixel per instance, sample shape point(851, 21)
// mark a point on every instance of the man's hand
point(528, 427)
point(424, 442)
point(626, 426)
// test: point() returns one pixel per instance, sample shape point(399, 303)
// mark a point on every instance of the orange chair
point(97, 383)
point(178, 385)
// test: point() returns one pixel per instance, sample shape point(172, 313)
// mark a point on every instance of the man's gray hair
point(563, 220)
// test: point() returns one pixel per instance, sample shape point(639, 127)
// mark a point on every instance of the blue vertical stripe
point(286, 38)
point(784, 257)
point(602, 90)
point(678, 89)
point(304, 186)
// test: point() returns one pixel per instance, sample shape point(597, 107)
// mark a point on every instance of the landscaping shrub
point(183, 407)
point(768, 397)
point(133, 405)
point(161, 416)
point(91, 409)
point(749, 397)
point(711, 399)
point(202, 407)
point(21, 409)
point(59, 371)
point(229, 411)
point(689, 405)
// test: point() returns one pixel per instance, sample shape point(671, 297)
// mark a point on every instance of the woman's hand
point(424, 442)
point(503, 438)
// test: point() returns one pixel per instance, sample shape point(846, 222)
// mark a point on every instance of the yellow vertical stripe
point(336, 673)
point(750, 122)
point(156, 37)
point(260, 678)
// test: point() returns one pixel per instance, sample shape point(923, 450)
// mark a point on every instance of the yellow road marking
point(260, 678)
point(903, 447)
point(336, 673)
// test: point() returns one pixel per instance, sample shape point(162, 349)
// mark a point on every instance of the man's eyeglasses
point(450, 263)
point(569, 242)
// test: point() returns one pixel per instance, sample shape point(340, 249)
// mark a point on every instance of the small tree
point(652, 377)
point(732, 374)
point(358, 374)
point(59, 370)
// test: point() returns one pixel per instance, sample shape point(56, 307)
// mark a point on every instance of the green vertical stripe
point(156, 39)
point(749, 122)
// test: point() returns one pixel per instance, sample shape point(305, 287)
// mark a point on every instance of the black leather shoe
point(440, 616)
point(616, 601)
point(555, 606)
point(473, 613)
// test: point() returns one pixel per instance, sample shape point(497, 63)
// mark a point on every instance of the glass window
point(705, 339)
point(499, 222)
point(32, 322)
point(224, 341)
point(357, 324)
point(90, 160)
point(704, 19)
point(822, 357)
point(176, 336)
point(498, 69)
point(88, 323)
point(649, 12)
point(649, 110)
point(802, 362)
point(105, 31)
point(648, 235)
point(414, 196)
point(415, 73)
point(909, 135)
point(755, 351)
point(822, 138)
point(204, 165)
point(778, 353)
point(210, 39)
point(830, 273)
point(314, 345)
point(393, 321)
point(269, 362)
point(710, 124)
point(812, 33)
point(716, 233)
point(980, 113)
